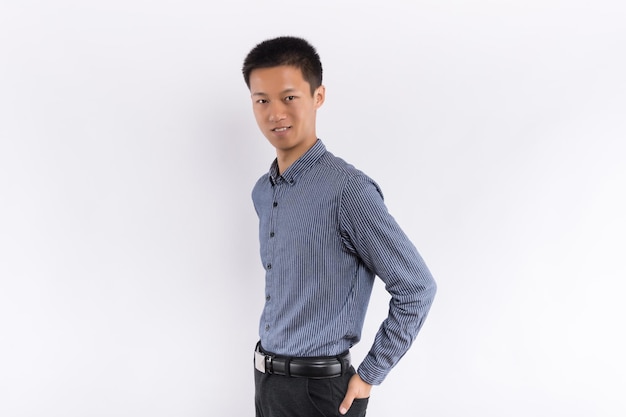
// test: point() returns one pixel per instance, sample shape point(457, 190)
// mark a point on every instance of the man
point(325, 234)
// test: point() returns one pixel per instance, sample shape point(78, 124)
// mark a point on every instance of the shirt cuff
point(370, 373)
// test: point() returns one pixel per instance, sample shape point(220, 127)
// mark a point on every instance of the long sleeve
point(372, 234)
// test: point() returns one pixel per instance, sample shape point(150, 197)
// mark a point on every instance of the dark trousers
point(282, 396)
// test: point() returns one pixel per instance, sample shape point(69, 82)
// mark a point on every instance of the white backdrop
point(130, 283)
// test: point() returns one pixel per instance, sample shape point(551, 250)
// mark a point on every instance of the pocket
point(325, 396)
point(358, 408)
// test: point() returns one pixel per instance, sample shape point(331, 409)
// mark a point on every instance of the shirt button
point(275, 204)
point(269, 266)
point(267, 297)
point(267, 327)
point(271, 234)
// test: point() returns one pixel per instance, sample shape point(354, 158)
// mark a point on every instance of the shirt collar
point(301, 165)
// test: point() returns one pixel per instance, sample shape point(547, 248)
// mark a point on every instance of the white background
point(130, 283)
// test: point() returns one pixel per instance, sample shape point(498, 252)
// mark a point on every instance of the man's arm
point(385, 249)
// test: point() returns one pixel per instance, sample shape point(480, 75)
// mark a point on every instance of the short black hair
point(285, 50)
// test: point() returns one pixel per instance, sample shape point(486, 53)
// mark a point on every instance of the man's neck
point(285, 161)
point(286, 158)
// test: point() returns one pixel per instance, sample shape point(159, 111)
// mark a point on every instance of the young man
point(325, 234)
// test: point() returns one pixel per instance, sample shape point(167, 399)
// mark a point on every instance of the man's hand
point(357, 388)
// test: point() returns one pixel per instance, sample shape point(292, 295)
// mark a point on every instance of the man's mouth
point(281, 129)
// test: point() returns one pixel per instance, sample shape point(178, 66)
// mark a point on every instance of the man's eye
point(289, 98)
point(261, 101)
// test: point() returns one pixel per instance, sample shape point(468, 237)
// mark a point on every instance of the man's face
point(284, 108)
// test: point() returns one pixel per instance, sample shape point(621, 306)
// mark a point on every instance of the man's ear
point(319, 95)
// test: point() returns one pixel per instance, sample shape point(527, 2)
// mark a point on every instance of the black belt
point(319, 367)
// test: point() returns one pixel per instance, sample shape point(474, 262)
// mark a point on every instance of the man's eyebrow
point(286, 91)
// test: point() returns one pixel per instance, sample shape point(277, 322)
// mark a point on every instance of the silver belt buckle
point(259, 361)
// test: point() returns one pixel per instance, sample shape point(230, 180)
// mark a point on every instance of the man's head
point(285, 51)
point(284, 76)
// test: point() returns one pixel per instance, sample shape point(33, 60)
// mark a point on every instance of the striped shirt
point(325, 234)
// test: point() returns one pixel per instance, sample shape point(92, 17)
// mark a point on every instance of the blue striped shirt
point(325, 234)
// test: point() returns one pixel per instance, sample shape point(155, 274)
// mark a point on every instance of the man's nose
point(277, 112)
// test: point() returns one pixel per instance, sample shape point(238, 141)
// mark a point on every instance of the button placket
point(271, 250)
